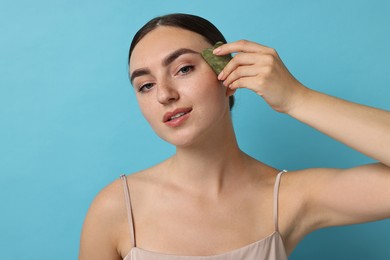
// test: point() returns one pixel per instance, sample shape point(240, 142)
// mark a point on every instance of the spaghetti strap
point(129, 210)
point(276, 196)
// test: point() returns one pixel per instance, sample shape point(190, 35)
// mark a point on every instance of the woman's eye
point(145, 87)
point(186, 69)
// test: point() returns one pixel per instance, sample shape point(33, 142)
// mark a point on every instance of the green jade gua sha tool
point(217, 63)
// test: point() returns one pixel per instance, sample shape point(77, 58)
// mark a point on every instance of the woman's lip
point(178, 121)
point(168, 115)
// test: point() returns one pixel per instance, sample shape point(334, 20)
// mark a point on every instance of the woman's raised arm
point(260, 69)
point(332, 196)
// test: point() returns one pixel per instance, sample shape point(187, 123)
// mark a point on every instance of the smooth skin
point(210, 197)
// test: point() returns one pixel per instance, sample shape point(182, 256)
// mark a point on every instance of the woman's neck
point(210, 165)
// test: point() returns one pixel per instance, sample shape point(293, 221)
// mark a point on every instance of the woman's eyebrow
point(138, 73)
point(176, 54)
point(166, 61)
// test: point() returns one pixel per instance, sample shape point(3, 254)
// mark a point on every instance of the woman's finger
point(241, 72)
point(241, 59)
point(241, 46)
point(246, 82)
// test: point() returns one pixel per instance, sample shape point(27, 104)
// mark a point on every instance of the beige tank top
point(268, 248)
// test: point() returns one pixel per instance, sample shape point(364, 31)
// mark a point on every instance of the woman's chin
point(181, 141)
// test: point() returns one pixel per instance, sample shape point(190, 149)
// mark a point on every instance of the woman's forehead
point(164, 40)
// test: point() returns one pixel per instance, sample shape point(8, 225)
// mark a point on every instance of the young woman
point(210, 200)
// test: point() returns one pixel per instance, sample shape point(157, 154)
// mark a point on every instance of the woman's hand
point(260, 69)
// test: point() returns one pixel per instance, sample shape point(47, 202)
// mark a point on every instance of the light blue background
point(69, 121)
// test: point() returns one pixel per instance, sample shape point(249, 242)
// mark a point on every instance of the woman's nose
point(167, 93)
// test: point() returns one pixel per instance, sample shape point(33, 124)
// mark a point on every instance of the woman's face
point(178, 92)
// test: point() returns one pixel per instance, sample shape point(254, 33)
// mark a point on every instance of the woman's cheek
point(205, 85)
point(147, 110)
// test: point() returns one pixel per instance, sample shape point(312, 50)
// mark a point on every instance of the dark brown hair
point(188, 22)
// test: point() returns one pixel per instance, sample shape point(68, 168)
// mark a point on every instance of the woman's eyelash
point(186, 69)
point(145, 87)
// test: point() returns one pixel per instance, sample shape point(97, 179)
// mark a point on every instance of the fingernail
point(217, 50)
point(220, 76)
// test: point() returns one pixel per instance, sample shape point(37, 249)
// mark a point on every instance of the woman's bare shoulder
point(110, 201)
point(104, 224)
point(146, 177)
point(107, 203)
point(107, 220)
